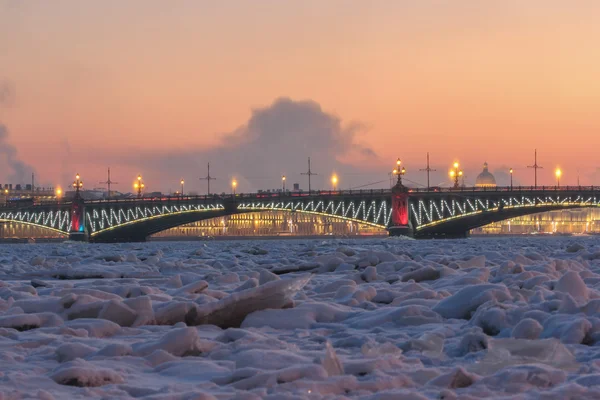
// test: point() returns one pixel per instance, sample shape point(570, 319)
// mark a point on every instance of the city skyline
point(145, 89)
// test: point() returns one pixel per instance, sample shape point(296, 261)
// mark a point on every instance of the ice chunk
point(179, 342)
point(527, 328)
point(231, 311)
point(268, 359)
point(84, 374)
point(509, 352)
point(572, 284)
point(331, 362)
point(192, 288)
point(114, 350)
point(118, 312)
point(71, 351)
point(301, 317)
point(426, 273)
point(575, 247)
point(25, 322)
point(95, 327)
point(369, 274)
point(473, 342)
point(456, 379)
point(400, 316)
point(467, 300)
point(249, 284)
point(267, 276)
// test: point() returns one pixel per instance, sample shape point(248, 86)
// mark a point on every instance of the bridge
point(420, 213)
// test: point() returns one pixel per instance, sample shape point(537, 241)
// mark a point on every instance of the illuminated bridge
point(403, 211)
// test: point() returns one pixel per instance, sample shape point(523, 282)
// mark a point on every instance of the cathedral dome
point(485, 178)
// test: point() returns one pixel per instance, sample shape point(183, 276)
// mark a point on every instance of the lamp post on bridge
point(334, 181)
point(58, 194)
point(558, 174)
point(399, 224)
point(77, 231)
point(399, 171)
point(455, 173)
point(283, 182)
point(182, 183)
point(77, 184)
point(139, 185)
point(511, 181)
point(233, 186)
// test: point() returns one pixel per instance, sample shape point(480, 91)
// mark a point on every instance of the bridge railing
point(506, 189)
point(313, 193)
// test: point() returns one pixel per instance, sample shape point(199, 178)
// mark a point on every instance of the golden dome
point(485, 178)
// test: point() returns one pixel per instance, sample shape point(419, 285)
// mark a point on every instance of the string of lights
point(377, 213)
point(435, 211)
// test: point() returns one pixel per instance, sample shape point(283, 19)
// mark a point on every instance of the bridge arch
point(135, 221)
point(56, 220)
point(34, 225)
point(456, 216)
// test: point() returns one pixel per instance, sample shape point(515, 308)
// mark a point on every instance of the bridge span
point(421, 213)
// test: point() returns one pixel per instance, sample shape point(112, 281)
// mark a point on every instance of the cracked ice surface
point(291, 319)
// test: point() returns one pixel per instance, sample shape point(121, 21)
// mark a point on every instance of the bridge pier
point(400, 222)
point(77, 231)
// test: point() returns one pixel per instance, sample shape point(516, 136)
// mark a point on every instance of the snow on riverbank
point(306, 319)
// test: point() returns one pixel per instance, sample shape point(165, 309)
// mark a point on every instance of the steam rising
point(18, 169)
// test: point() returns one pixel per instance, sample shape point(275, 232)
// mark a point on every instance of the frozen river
point(514, 318)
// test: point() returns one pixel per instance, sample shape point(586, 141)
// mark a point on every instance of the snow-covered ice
point(512, 318)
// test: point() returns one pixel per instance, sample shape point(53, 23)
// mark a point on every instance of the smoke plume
point(276, 140)
point(18, 169)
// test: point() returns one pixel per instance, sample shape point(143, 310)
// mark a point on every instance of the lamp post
point(455, 173)
point(511, 182)
point(283, 182)
point(139, 185)
point(233, 186)
point(58, 193)
point(182, 183)
point(399, 171)
point(334, 181)
point(558, 174)
point(5, 196)
point(77, 184)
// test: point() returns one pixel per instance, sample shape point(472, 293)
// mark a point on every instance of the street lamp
point(511, 175)
point(399, 171)
point(334, 181)
point(139, 185)
point(233, 186)
point(58, 193)
point(77, 184)
point(455, 173)
point(283, 182)
point(558, 174)
point(182, 183)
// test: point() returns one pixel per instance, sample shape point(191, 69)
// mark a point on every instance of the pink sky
point(474, 81)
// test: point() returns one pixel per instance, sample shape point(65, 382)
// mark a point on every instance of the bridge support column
point(77, 231)
point(400, 223)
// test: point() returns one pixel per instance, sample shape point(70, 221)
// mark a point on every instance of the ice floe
point(302, 319)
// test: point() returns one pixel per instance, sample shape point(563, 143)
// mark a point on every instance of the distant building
point(485, 178)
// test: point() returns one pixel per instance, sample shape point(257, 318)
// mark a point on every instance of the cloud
point(7, 94)
point(276, 140)
point(18, 169)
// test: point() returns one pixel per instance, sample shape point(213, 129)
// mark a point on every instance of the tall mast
point(535, 167)
point(309, 173)
point(428, 169)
